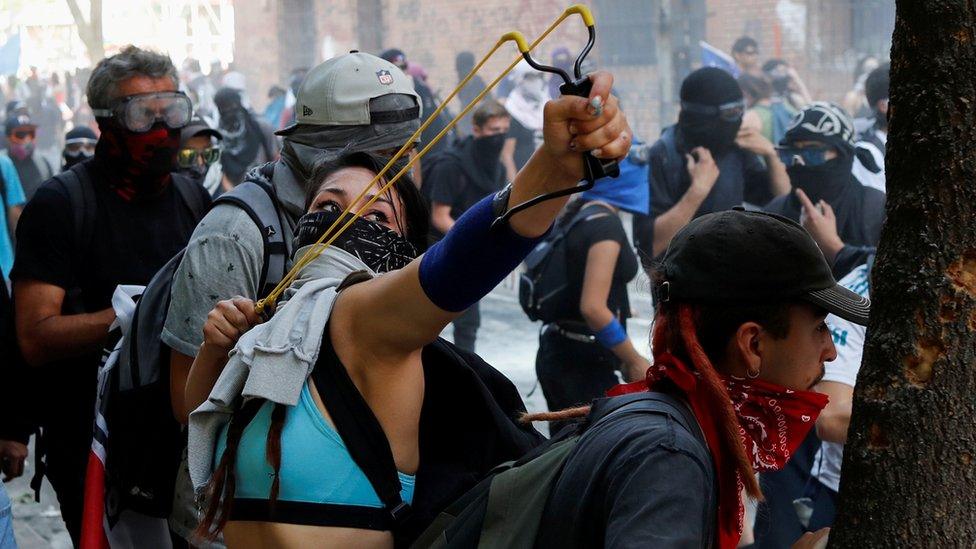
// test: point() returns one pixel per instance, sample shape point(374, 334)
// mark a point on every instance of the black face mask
point(711, 132)
point(72, 158)
point(488, 149)
point(825, 182)
point(380, 248)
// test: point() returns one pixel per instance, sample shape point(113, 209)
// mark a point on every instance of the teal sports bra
point(319, 482)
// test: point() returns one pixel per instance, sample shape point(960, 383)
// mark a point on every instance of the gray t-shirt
point(222, 260)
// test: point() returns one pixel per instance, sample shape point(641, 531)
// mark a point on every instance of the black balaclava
point(825, 123)
point(713, 87)
point(242, 134)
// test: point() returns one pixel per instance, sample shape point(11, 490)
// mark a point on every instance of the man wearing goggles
point(819, 153)
point(707, 162)
point(199, 156)
point(113, 219)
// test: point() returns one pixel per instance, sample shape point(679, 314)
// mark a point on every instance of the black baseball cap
point(747, 257)
point(199, 126)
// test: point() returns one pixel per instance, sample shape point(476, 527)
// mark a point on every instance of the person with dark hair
point(738, 342)
point(464, 174)
point(704, 163)
point(580, 353)
point(774, 117)
point(819, 152)
point(745, 51)
point(113, 219)
point(79, 145)
point(248, 140)
point(874, 139)
point(787, 84)
point(352, 360)
point(343, 106)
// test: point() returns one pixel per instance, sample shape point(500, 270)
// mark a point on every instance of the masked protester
point(738, 342)
point(704, 163)
point(199, 156)
point(139, 214)
point(79, 145)
point(32, 168)
point(818, 150)
point(464, 64)
point(874, 138)
point(387, 371)
point(525, 104)
point(248, 141)
point(458, 178)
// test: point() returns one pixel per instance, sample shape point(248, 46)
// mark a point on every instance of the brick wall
point(811, 34)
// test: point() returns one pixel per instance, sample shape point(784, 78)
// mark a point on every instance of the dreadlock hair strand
point(220, 489)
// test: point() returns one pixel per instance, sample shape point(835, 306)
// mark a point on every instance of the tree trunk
point(909, 477)
point(90, 30)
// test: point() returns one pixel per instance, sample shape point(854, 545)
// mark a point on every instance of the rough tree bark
point(90, 30)
point(909, 477)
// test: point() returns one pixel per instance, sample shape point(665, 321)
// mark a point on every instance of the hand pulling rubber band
point(593, 167)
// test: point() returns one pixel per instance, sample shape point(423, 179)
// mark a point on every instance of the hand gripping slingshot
point(593, 168)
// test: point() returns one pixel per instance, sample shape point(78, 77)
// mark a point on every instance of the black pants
point(466, 328)
point(67, 446)
point(573, 372)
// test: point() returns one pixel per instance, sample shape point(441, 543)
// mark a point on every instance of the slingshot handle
point(593, 167)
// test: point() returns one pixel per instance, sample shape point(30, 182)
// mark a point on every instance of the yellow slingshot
point(594, 168)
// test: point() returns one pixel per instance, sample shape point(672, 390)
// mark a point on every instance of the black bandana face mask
point(379, 247)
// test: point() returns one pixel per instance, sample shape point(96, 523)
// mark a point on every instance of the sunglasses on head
point(139, 113)
point(811, 156)
point(729, 112)
point(187, 158)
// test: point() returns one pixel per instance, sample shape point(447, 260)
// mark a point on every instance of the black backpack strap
point(258, 200)
point(361, 432)
point(190, 192)
point(646, 401)
point(77, 185)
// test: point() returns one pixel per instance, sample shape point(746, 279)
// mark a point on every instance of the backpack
point(145, 441)
point(504, 510)
point(544, 283)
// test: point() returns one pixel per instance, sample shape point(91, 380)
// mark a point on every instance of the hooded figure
point(818, 150)
point(709, 100)
point(247, 140)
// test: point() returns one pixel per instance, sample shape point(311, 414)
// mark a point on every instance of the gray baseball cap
point(339, 92)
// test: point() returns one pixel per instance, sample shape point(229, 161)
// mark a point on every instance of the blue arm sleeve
point(471, 260)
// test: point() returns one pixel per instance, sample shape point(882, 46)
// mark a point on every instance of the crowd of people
point(337, 416)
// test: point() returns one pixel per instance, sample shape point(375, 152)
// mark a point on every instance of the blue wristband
point(612, 334)
point(472, 259)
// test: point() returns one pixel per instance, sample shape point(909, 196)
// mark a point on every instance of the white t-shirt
point(866, 176)
point(849, 340)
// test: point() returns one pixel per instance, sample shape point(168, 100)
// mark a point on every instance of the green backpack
point(504, 511)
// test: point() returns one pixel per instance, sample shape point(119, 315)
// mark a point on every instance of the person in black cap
point(818, 150)
point(32, 167)
point(704, 163)
point(199, 156)
point(739, 341)
point(79, 145)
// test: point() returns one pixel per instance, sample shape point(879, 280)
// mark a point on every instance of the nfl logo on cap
point(384, 77)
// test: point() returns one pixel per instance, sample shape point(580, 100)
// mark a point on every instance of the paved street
point(506, 340)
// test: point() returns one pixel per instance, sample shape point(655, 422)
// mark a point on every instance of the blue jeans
point(7, 540)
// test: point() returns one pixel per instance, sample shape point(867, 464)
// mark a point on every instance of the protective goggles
point(812, 156)
point(729, 112)
point(138, 113)
point(188, 158)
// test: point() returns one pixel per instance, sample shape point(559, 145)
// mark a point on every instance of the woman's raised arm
point(399, 312)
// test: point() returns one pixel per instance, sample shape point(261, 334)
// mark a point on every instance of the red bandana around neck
point(773, 421)
point(137, 164)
